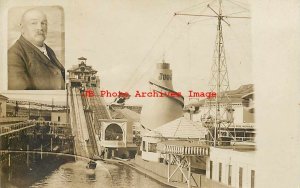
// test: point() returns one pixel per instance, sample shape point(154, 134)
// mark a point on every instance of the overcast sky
point(124, 40)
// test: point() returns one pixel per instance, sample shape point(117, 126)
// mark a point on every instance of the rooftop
point(126, 114)
point(82, 58)
point(235, 96)
point(181, 128)
point(3, 97)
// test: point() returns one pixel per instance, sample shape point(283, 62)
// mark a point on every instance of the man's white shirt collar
point(43, 49)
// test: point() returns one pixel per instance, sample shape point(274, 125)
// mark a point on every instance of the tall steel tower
point(218, 117)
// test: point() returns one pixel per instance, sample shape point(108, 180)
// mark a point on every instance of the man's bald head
point(34, 26)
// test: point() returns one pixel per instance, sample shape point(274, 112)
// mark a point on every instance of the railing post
point(169, 161)
point(27, 155)
point(9, 160)
point(41, 151)
point(189, 172)
point(51, 144)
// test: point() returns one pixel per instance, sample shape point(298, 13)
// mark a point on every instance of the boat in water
point(91, 165)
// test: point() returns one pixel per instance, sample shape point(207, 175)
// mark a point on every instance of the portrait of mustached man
point(32, 64)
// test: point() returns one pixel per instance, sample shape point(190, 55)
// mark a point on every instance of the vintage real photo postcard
point(138, 93)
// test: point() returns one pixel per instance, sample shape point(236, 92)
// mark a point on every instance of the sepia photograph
point(149, 94)
point(35, 57)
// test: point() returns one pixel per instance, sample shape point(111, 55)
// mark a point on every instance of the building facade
point(234, 168)
point(178, 130)
point(116, 138)
point(3, 101)
point(59, 116)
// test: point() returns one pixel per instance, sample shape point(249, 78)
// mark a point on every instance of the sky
point(124, 40)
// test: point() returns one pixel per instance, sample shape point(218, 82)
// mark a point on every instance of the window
point(144, 146)
point(152, 147)
point(240, 177)
point(252, 178)
point(220, 172)
point(229, 174)
point(58, 118)
point(210, 169)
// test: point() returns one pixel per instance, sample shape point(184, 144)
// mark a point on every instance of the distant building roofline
point(82, 58)
point(234, 96)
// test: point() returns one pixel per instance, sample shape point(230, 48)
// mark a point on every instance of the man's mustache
point(40, 33)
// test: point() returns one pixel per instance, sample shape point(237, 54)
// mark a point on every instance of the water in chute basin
point(64, 172)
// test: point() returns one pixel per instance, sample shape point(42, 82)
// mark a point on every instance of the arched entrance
point(113, 132)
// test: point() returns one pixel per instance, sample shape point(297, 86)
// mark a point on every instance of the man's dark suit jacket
point(30, 69)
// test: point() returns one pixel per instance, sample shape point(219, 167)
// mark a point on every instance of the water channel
point(64, 172)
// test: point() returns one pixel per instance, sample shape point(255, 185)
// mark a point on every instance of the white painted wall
point(150, 156)
point(62, 115)
point(237, 159)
